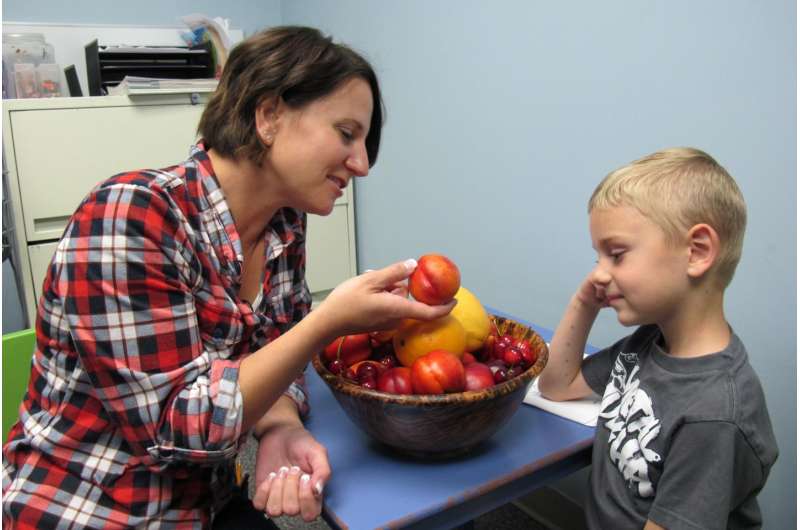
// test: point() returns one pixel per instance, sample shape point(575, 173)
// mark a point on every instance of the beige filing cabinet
point(57, 149)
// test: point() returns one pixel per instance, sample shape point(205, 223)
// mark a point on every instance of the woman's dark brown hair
point(297, 64)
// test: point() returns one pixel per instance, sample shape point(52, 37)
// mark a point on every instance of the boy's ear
point(703, 245)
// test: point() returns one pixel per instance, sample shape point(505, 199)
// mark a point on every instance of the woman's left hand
point(291, 471)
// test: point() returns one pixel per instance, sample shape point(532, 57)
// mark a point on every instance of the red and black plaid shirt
point(133, 413)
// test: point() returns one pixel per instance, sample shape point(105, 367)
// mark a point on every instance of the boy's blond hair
point(678, 188)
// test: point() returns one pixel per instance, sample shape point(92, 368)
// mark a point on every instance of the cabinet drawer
point(62, 153)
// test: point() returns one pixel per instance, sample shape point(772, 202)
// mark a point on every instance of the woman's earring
point(267, 137)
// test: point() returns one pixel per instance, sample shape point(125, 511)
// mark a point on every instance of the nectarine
point(435, 280)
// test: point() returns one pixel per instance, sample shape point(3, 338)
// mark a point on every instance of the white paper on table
point(583, 411)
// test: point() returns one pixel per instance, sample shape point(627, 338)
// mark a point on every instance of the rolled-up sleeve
point(126, 272)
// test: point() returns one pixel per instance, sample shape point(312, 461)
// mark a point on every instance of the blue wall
point(248, 15)
point(503, 116)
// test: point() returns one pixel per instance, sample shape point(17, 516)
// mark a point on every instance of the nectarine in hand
point(435, 280)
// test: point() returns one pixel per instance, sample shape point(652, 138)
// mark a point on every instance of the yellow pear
point(473, 317)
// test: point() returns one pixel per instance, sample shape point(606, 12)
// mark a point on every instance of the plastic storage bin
point(29, 67)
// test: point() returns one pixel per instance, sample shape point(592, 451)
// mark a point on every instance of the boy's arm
point(650, 525)
point(562, 378)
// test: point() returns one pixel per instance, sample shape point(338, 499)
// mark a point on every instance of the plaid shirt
point(133, 414)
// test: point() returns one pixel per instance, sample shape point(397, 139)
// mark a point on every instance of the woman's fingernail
point(368, 270)
point(294, 470)
point(282, 471)
point(272, 476)
point(305, 478)
point(410, 264)
point(318, 487)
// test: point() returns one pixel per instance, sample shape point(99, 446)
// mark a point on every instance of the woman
point(175, 314)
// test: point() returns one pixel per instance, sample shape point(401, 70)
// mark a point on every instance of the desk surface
point(374, 487)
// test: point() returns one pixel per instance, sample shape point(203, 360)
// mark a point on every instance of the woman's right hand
point(374, 301)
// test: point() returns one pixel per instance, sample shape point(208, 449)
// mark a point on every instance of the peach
point(435, 280)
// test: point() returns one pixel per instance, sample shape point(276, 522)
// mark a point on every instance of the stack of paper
point(583, 411)
point(150, 85)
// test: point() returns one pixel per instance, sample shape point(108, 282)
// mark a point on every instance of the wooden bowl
point(438, 425)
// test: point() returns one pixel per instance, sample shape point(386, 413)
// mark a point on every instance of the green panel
point(17, 352)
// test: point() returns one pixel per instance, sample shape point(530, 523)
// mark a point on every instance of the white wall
point(503, 116)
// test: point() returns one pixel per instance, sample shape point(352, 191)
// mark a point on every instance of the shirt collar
point(285, 227)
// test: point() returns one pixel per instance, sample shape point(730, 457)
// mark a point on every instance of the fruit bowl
point(443, 425)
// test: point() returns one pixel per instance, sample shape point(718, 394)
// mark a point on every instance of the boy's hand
point(562, 378)
point(591, 295)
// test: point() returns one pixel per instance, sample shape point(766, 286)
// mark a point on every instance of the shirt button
point(217, 333)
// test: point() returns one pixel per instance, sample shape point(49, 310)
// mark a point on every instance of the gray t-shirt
point(684, 442)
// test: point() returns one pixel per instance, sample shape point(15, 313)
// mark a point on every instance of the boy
point(684, 439)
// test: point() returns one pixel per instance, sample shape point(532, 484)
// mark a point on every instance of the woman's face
point(320, 147)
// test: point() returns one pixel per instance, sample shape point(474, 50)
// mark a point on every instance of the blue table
point(373, 487)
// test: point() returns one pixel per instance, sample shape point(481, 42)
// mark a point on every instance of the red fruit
point(369, 383)
point(468, 358)
point(478, 376)
point(435, 280)
point(365, 370)
point(396, 381)
point(350, 349)
point(500, 375)
point(336, 366)
point(528, 358)
point(437, 372)
point(522, 345)
point(502, 344)
point(512, 356)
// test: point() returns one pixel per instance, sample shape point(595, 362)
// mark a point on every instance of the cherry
point(369, 383)
point(522, 345)
point(528, 358)
point(335, 366)
point(512, 356)
point(366, 370)
point(502, 345)
point(500, 375)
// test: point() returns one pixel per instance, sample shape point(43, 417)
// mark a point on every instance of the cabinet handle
point(50, 223)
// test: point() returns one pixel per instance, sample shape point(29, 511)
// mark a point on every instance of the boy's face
point(639, 273)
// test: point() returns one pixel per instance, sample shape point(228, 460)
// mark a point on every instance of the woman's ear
point(703, 249)
point(267, 113)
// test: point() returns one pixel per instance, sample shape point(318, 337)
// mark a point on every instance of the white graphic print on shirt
point(628, 412)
